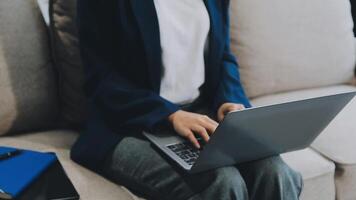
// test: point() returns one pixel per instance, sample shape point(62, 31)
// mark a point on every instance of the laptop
point(254, 133)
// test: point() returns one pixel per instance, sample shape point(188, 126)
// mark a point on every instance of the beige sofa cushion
point(27, 83)
point(58, 139)
point(345, 181)
point(317, 172)
point(65, 46)
point(288, 45)
point(337, 141)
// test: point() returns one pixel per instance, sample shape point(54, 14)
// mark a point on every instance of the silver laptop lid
point(270, 130)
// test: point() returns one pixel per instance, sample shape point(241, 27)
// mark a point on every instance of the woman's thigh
point(139, 167)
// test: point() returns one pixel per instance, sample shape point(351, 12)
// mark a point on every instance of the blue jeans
point(141, 168)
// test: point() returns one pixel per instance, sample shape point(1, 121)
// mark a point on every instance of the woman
point(155, 64)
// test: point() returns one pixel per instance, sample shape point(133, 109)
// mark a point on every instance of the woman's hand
point(188, 123)
point(228, 107)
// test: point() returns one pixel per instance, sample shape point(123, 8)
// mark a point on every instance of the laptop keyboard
point(186, 151)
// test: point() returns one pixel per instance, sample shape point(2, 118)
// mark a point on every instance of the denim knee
point(227, 184)
point(276, 170)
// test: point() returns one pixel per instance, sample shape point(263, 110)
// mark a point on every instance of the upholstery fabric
point(59, 139)
point(345, 177)
point(301, 94)
point(337, 142)
point(317, 172)
point(65, 49)
point(289, 45)
point(28, 96)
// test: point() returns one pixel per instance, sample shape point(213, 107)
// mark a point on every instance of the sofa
point(287, 50)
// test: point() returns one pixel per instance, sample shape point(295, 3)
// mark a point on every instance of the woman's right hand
point(187, 123)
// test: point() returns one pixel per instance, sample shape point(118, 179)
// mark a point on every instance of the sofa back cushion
point(67, 60)
point(28, 96)
point(284, 45)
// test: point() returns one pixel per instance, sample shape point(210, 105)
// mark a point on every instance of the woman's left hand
point(228, 107)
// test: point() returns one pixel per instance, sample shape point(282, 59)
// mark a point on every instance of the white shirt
point(184, 27)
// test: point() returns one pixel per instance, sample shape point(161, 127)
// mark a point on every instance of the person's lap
point(141, 168)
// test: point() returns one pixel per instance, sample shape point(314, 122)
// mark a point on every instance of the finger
point(236, 107)
point(211, 127)
point(230, 108)
point(191, 137)
point(240, 107)
point(209, 124)
point(211, 121)
point(202, 132)
point(221, 115)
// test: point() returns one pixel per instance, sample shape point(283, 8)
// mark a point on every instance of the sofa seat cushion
point(337, 142)
point(89, 185)
point(318, 174)
point(60, 139)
